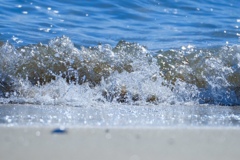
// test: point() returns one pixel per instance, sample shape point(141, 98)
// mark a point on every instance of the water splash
point(59, 73)
point(214, 71)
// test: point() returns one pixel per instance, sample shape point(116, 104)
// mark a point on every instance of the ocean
point(148, 53)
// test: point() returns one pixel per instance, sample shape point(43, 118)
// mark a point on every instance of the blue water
point(153, 23)
point(139, 52)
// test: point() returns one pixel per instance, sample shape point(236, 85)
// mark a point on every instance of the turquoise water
point(141, 52)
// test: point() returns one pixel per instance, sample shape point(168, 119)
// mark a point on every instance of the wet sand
point(119, 143)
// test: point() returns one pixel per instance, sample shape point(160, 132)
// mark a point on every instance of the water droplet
point(56, 12)
point(24, 12)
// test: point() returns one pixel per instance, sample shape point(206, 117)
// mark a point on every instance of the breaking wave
point(129, 73)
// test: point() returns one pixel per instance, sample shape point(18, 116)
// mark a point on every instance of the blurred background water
point(156, 24)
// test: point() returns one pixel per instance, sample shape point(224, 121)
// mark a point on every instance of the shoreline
point(120, 116)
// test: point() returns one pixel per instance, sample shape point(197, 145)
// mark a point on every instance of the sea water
point(120, 53)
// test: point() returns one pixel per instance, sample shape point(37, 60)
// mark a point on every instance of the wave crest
point(126, 73)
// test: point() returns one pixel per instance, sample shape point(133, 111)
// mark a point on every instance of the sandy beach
point(27, 143)
point(30, 132)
